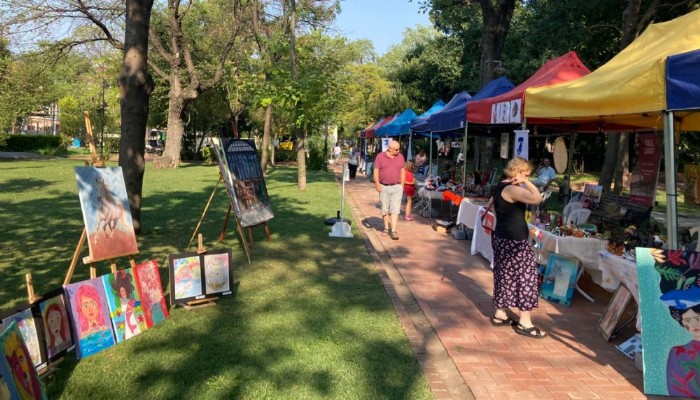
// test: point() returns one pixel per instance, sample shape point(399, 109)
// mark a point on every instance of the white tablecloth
point(467, 213)
point(584, 249)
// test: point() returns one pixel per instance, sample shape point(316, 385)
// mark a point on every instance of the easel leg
point(267, 232)
point(250, 236)
point(245, 243)
point(223, 230)
point(93, 271)
point(76, 254)
point(213, 192)
point(113, 265)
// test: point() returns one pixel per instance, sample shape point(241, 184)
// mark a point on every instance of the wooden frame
point(559, 279)
point(614, 310)
point(59, 338)
point(217, 268)
point(196, 276)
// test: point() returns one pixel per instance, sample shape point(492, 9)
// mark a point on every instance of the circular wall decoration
point(561, 155)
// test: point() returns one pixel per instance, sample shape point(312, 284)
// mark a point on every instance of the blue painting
point(559, 279)
point(91, 323)
point(669, 296)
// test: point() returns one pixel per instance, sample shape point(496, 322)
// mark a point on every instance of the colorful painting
point(185, 278)
point(669, 295)
point(559, 279)
point(151, 292)
point(23, 381)
point(90, 317)
point(56, 324)
point(124, 304)
point(106, 212)
point(218, 276)
point(32, 333)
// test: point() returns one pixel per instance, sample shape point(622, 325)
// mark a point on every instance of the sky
point(381, 21)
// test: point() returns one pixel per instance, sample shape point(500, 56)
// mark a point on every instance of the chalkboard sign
point(240, 166)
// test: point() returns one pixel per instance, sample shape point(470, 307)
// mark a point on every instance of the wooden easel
point(250, 229)
point(95, 161)
point(221, 236)
point(194, 304)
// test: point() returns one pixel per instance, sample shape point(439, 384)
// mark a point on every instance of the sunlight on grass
point(311, 319)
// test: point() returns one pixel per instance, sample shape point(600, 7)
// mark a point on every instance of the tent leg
point(671, 195)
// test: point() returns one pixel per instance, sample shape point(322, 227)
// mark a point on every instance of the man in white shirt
point(545, 175)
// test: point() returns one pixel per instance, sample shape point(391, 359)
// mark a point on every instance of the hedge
point(29, 142)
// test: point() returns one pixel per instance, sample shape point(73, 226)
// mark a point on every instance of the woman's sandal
point(385, 232)
point(495, 321)
point(532, 331)
point(394, 235)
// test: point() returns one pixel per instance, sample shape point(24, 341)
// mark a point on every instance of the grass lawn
point(310, 320)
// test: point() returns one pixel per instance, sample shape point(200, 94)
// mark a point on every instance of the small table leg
point(578, 288)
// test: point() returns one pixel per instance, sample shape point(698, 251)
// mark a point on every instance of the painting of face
point(23, 374)
point(56, 324)
point(31, 335)
point(124, 304)
point(88, 310)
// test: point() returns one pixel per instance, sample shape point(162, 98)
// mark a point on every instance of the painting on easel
point(90, 315)
point(106, 212)
point(239, 164)
point(22, 381)
point(151, 292)
point(56, 324)
point(218, 278)
point(124, 304)
point(185, 278)
point(32, 333)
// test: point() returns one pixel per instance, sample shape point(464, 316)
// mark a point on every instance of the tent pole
point(464, 163)
point(671, 195)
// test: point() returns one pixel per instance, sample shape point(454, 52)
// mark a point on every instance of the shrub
point(285, 155)
point(110, 146)
point(29, 143)
point(208, 155)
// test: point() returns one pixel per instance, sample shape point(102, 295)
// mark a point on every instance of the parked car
point(154, 146)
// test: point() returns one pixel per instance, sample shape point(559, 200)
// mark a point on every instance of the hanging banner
point(505, 136)
point(385, 143)
point(645, 172)
point(521, 143)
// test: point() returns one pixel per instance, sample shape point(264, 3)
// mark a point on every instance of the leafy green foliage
point(29, 143)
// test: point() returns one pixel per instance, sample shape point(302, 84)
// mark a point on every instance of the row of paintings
point(91, 315)
point(18, 378)
point(200, 276)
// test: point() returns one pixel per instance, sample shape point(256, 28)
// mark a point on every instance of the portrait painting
point(106, 213)
point(124, 304)
point(22, 381)
point(57, 329)
point(669, 296)
point(218, 276)
point(92, 327)
point(616, 307)
point(8, 391)
point(559, 279)
point(185, 278)
point(593, 192)
point(151, 292)
point(32, 333)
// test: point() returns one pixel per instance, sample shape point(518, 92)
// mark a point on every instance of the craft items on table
point(151, 292)
point(124, 304)
point(18, 378)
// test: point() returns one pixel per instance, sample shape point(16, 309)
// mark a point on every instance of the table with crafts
point(585, 249)
point(625, 271)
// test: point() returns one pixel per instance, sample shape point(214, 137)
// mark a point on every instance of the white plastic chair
point(578, 217)
point(569, 208)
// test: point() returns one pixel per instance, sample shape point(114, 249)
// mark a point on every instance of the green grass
point(310, 320)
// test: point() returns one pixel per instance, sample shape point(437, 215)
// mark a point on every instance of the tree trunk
point(622, 163)
point(265, 157)
point(135, 88)
point(300, 133)
point(606, 173)
point(496, 24)
point(176, 128)
point(301, 161)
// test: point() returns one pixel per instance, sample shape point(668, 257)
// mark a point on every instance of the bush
point(208, 155)
point(109, 147)
point(285, 155)
point(30, 143)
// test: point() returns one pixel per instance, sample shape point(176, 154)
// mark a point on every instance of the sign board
point(521, 144)
point(645, 172)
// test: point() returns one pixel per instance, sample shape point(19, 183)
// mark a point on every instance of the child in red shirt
point(409, 189)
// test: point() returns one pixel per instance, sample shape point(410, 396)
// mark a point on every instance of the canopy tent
point(364, 132)
point(451, 116)
point(372, 132)
point(507, 108)
point(422, 122)
point(398, 126)
point(653, 83)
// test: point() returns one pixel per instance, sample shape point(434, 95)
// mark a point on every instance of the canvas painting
point(669, 296)
point(57, 330)
point(92, 328)
point(32, 333)
point(7, 383)
point(106, 212)
point(23, 381)
point(151, 292)
point(559, 279)
point(124, 304)
point(218, 276)
point(185, 278)
point(613, 312)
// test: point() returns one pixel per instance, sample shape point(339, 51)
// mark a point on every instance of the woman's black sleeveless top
point(510, 217)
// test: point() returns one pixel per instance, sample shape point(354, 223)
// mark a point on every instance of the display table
point(586, 250)
point(625, 271)
point(468, 209)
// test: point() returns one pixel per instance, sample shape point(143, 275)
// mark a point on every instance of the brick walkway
point(442, 296)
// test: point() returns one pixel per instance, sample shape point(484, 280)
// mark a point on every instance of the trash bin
point(76, 142)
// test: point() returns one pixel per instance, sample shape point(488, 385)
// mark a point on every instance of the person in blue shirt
point(545, 175)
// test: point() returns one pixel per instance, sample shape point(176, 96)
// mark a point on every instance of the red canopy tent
point(372, 132)
point(508, 107)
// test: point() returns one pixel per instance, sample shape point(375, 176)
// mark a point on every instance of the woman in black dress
point(514, 266)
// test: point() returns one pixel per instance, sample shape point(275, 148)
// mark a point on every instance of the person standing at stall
point(514, 267)
point(389, 179)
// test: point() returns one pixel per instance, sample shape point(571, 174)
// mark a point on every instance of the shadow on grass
point(310, 320)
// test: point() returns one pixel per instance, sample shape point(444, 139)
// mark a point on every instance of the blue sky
point(382, 21)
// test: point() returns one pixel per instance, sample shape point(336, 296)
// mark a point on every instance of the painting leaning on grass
point(669, 293)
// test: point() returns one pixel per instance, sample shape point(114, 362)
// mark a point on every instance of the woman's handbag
point(487, 228)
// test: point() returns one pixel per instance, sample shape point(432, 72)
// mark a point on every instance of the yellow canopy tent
point(634, 88)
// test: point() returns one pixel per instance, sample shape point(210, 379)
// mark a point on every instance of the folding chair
point(569, 208)
point(578, 217)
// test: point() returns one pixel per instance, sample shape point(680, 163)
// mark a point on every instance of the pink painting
point(91, 324)
point(151, 290)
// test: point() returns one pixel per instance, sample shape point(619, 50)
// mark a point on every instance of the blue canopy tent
point(422, 122)
point(394, 128)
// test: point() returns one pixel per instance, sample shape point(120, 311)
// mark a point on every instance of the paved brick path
point(442, 296)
